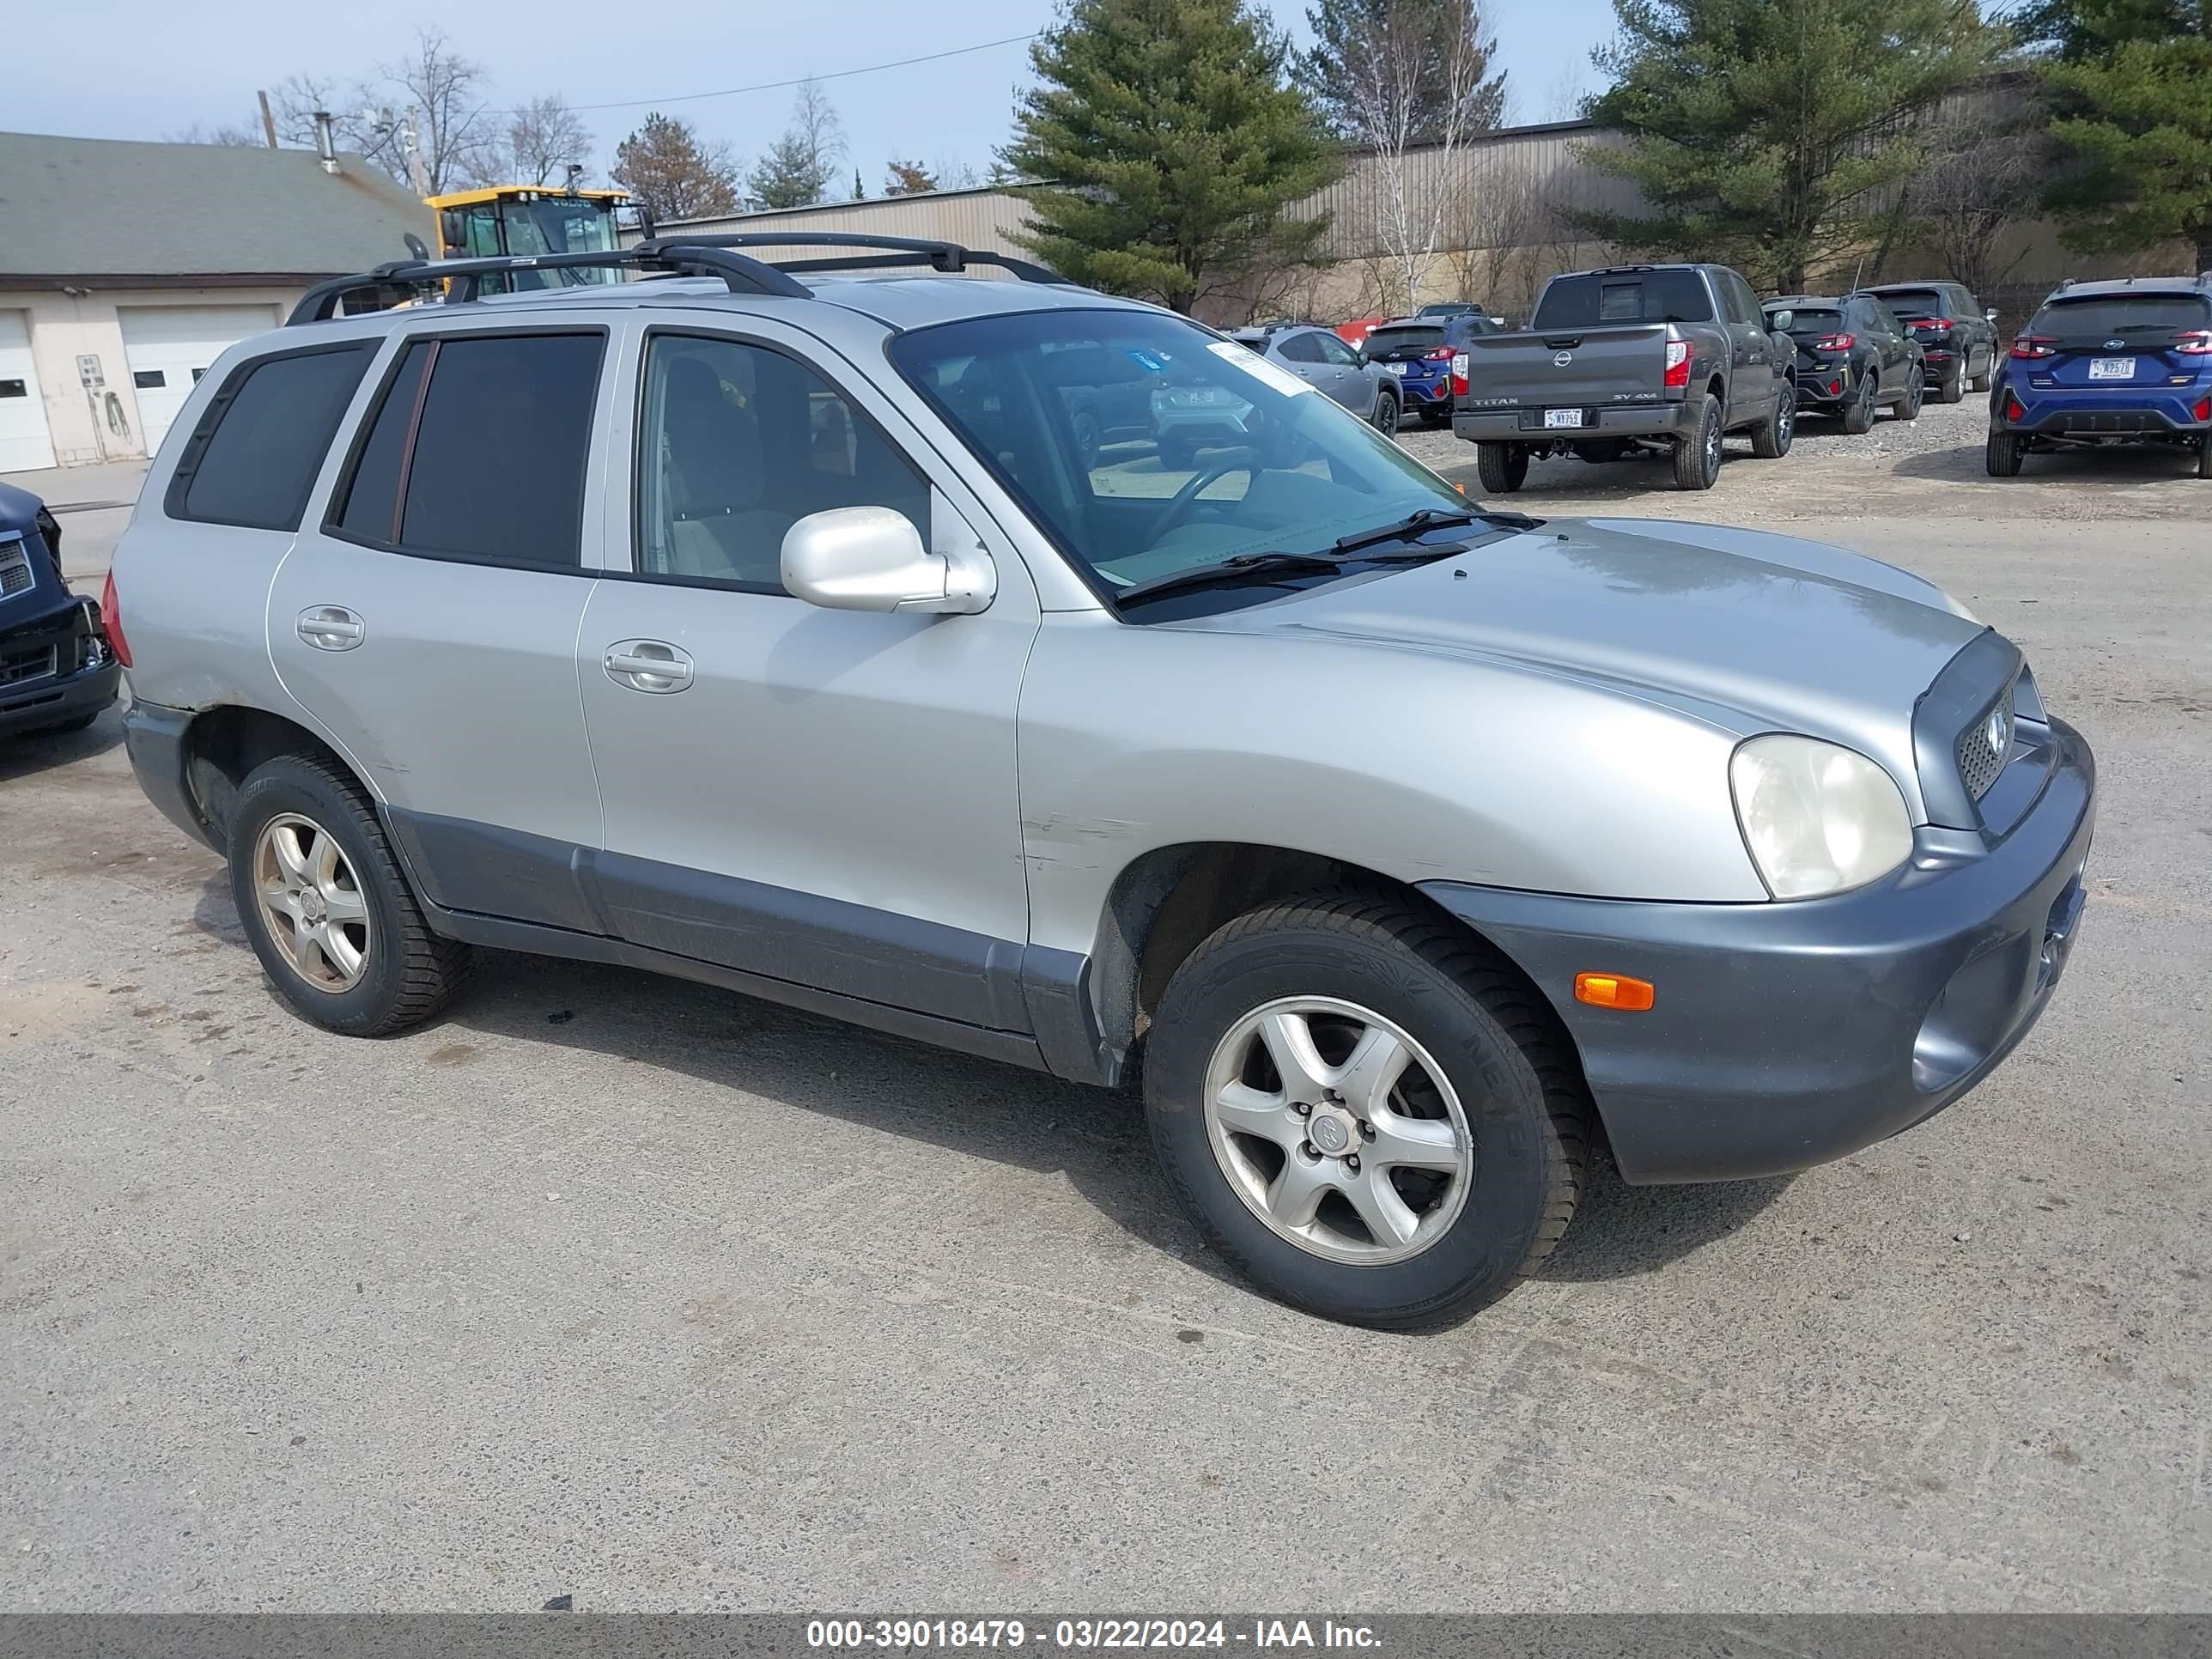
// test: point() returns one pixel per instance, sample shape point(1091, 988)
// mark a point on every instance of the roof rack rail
point(948, 258)
point(742, 275)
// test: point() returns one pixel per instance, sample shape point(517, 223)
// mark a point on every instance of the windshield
point(2122, 314)
point(560, 225)
point(1381, 342)
point(1804, 319)
point(1911, 302)
point(1623, 296)
point(1145, 446)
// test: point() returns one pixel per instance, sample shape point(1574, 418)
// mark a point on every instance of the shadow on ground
point(45, 751)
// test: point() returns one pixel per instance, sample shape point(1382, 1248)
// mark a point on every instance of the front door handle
point(647, 665)
point(332, 627)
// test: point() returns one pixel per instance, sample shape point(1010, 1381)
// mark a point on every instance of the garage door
point(24, 444)
point(169, 347)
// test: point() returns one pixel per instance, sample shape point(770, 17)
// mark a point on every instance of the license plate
point(1398, 369)
point(2111, 368)
point(1563, 417)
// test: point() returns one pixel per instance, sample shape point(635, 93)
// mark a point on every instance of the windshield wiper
point(1263, 567)
point(1427, 519)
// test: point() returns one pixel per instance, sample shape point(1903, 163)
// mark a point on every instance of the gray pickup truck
point(1623, 359)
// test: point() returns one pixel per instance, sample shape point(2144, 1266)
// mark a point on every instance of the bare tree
point(1414, 90)
point(1495, 228)
point(245, 137)
point(546, 137)
point(1977, 191)
point(421, 118)
point(798, 167)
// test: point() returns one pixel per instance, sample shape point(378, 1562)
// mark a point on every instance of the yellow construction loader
point(523, 219)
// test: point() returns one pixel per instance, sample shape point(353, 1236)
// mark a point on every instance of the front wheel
point(2001, 455)
point(325, 906)
point(1772, 437)
point(1504, 468)
point(1364, 1111)
point(1698, 452)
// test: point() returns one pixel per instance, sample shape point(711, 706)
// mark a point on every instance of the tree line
point(1165, 143)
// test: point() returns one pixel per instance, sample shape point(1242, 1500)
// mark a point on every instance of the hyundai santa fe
point(779, 628)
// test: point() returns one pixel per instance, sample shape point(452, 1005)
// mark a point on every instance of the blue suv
point(57, 670)
point(2125, 363)
point(1419, 352)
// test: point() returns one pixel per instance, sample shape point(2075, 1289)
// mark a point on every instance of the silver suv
point(784, 631)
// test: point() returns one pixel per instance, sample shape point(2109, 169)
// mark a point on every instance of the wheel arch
point(223, 745)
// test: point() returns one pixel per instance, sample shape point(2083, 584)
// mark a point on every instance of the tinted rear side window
point(1637, 297)
point(501, 429)
point(2142, 316)
point(254, 457)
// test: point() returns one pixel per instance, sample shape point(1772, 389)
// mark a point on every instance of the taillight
point(2014, 409)
point(2028, 347)
point(1442, 355)
point(1836, 343)
point(1459, 373)
point(1678, 363)
point(2197, 343)
point(110, 622)
point(2203, 409)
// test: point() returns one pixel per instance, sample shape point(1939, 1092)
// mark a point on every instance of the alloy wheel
point(1338, 1130)
point(312, 904)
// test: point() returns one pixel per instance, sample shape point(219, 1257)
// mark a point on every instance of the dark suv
point(1419, 351)
point(55, 671)
point(1854, 357)
point(1958, 336)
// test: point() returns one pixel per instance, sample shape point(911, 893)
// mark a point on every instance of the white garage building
point(126, 268)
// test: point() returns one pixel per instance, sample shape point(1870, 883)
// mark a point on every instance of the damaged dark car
point(57, 671)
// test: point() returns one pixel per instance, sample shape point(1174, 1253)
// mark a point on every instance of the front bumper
point(1787, 1035)
point(55, 670)
point(1525, 424)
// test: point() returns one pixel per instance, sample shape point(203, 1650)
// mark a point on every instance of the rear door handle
point(332, 627)
point(647, 665)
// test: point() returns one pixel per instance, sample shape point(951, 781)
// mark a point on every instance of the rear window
point(486, 461)
point(1628, 296)
point(1383, 341)
point(253, 457)
point(1913, 302)
point(1805, 320)
point(2120, 314)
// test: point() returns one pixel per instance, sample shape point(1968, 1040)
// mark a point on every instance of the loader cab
point(522, 219)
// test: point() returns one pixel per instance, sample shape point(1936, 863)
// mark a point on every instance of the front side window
point(1224, 453)
point(478, 450)
point(740, 442)
point(253, 458)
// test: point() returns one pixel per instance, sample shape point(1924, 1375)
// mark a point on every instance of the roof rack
point(703, 255)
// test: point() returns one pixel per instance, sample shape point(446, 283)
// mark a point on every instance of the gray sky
point(133, 68)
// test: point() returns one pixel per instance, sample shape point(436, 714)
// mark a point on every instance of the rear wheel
point(1770, 438)
point(1386, 412)
point(1086, 439)
point(1365, 1111)
point(1982, 380)
point(1698, 452)
point(1916, 389)
point(2001, 455)
point(1502, 468)
point(1177, 454)
point(325, 906)
point(1858, 414)
point(2204, 456)
point(1952, 388)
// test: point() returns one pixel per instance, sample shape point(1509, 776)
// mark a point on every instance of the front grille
point(1984, 747)
point(34, 662)
point(15, 567)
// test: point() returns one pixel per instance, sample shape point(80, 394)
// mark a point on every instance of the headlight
point(1818, 818)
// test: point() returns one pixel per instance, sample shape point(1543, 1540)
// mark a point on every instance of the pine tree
point(2130, 81)
point(1771, 133)
point(1173, 146)
point(799, 167)
point(666, 167)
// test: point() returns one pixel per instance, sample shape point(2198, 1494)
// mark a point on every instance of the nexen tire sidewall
point(1497, 1089)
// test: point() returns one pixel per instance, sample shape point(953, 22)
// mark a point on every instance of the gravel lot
point(621, 1289)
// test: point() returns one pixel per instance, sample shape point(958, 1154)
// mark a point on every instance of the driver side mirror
point(871, 558)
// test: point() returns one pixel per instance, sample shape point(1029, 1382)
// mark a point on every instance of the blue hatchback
point(2125, 362)
point(1419, 351)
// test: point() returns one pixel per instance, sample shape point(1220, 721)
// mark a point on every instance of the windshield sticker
point(1157, 361)
point(1250, 362)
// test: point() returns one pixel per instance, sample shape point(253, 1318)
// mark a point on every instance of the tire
point(1772, 438)
point(406, 972)
point(1916, 391)
point(2204, 456)
point(1085, 427)
point(1952, 388)
point(2001, 455)
point(1502, 468)
point(1436, 418)
point(1858, 418)
point(1982, 380)
point(1177, 454)
point(1698, 456)
point(1386, 413)
point(1521, 1162)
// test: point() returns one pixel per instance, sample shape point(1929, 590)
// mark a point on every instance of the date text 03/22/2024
point(1087, 1634)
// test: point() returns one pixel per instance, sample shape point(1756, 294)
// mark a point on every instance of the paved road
point(622, 1289)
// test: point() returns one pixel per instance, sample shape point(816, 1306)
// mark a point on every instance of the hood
point(1748, 631)
point(19, 509)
